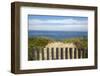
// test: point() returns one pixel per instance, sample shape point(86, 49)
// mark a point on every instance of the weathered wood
point(51, 53)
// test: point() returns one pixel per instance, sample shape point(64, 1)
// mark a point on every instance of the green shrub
point(79, 42)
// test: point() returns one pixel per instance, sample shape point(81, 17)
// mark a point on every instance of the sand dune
point(60, 44)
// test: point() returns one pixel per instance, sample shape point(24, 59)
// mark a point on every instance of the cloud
point(69, 24)
point(59, 28)
point(58, 22)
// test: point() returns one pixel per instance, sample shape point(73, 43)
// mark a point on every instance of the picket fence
point(52, 53)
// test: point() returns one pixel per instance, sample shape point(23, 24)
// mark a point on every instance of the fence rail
point(59, 53)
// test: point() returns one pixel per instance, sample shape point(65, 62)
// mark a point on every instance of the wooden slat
point(54, 53)
point(64, 53)
point(40, 54)
point(45, 54)
point(77, 54)
point(73, 53)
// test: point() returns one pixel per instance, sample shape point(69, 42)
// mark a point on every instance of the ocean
point(57, 34)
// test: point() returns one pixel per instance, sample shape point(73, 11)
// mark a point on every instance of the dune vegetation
point(35, 42)
point(81, 42)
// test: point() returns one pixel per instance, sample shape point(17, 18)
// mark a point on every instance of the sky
point(57, 23)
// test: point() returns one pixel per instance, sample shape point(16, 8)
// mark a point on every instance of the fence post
point(73, 53)
point(68, 54)
point(35, 51)
point(40, 53)
point(59, 56)
point(76, 53)
point(81, 52)
point(45, 54)
point(63, 52)
point(54, 53)
point(50, 55)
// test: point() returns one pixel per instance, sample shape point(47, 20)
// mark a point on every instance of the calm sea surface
point(57, 34)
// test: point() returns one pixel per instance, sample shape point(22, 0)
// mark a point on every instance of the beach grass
point(34, 42)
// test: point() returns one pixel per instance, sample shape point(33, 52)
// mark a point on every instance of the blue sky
point(57, 23)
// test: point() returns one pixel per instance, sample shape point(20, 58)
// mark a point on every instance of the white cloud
point(59, 28)
point(63, 21)
point(58, 25)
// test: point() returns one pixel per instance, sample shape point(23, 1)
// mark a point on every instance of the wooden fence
point(59, 53)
